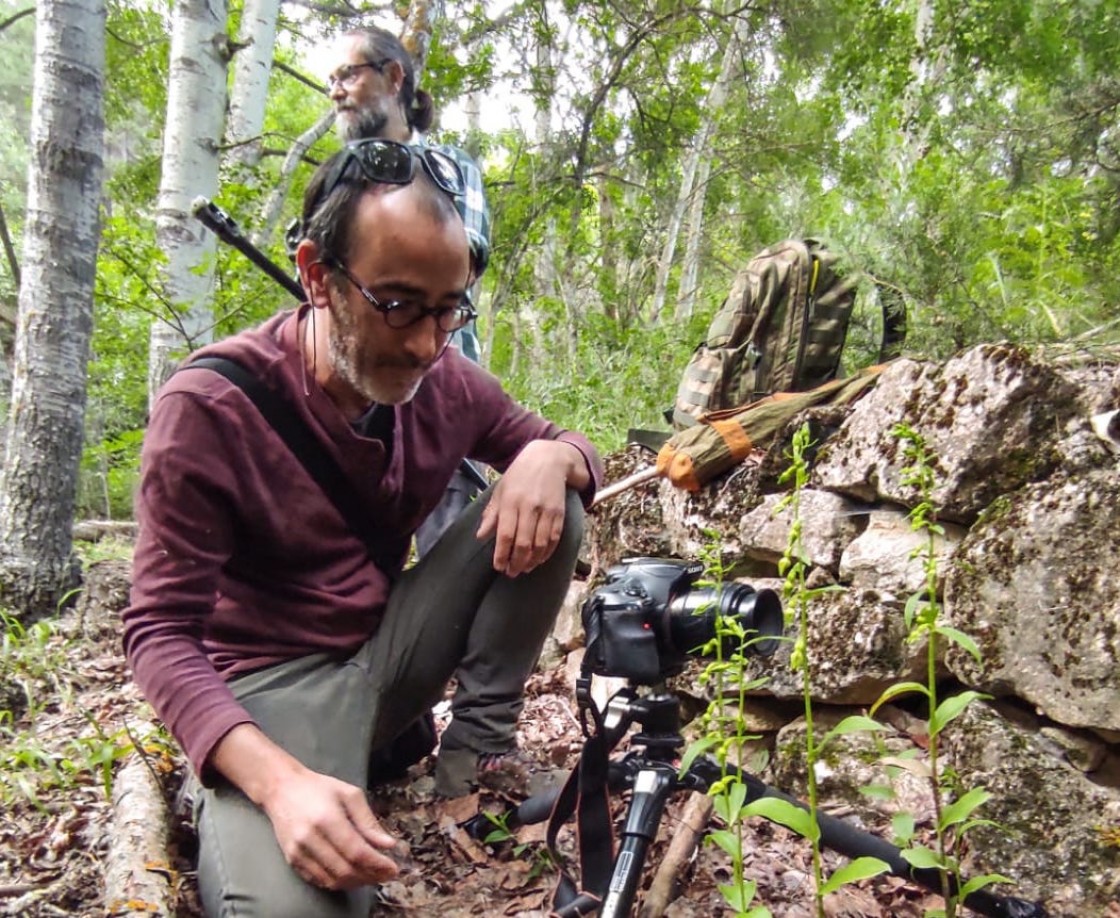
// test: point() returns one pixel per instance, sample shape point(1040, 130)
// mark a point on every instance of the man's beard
point(360, 124)
point(345, 358)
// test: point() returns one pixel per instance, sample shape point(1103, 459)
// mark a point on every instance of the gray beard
point(360, 125)
point(344, 363)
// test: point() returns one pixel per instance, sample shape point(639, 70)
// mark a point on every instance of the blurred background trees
point(965, 156)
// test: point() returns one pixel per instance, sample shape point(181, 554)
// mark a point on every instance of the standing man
point(373, 90)
point(277, 646)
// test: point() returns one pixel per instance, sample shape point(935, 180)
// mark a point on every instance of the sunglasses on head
point(389, 162)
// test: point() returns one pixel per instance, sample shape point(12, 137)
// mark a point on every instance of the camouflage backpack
point(781, 329)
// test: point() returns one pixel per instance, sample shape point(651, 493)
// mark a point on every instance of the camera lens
point(693, 618)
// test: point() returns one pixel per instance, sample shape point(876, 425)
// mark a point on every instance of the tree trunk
point(196, 102)
point(252, 67)
point(274, 206)
point(697, 171)
point(416, 36)
point(61, 232)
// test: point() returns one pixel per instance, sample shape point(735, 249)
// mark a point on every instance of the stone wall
point(1028, 566)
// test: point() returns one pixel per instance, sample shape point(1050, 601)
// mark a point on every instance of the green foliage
point(724, 734)
point(36, 675)
point(617, 378)
point(922, 617)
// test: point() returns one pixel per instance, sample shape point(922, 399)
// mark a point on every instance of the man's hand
point(526, 510)
point(324, 826)
point(329, 834)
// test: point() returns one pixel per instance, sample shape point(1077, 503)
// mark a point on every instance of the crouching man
point(279, 647)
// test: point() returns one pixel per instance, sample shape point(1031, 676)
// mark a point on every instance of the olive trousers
point(451, 614)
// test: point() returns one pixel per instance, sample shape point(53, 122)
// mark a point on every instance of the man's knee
point(242, 872)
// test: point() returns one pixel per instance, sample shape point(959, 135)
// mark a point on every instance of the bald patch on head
point(418, 200)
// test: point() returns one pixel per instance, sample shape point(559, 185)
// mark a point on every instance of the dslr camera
point(650, 616)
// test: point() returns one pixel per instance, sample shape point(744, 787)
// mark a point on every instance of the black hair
point(376, 45)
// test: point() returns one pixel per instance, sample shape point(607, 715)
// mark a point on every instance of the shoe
point(506, 772)
point(462, 771)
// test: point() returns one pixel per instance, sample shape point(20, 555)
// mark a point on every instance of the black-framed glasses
point(390, 162)
point(403, 313)
point(346, 74)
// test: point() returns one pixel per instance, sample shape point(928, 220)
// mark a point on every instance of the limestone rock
point(858, 648)
point(1049, 817)
point(882, 556)
point(988, 418)
point(1037, 584)
point(706, 522)
point(851, 769)
point(829, 523)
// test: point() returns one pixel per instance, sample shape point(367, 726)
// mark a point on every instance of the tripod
point(649, 771)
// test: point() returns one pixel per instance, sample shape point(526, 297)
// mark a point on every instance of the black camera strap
point(318, 463)
point(585, 794)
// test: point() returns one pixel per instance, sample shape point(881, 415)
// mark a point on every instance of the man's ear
point(395, 72)
point(313, 274)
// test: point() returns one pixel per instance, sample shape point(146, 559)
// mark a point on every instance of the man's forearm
point(253, 763)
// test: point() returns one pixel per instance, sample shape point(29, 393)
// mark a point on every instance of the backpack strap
point(318, 463)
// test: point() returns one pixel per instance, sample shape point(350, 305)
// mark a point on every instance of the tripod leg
point(652, 787)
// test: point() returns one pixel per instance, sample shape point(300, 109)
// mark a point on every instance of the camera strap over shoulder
point(585, 794)
point(318, 463)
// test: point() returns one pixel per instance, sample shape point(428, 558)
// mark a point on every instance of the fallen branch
point(626, 484)
point(138, 875)
point(96, 530)
point(693, 824)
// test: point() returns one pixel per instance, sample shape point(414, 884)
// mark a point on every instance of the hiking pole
point(225, 228)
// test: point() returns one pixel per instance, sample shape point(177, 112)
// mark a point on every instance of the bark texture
point(61, 232)
point(196, 103)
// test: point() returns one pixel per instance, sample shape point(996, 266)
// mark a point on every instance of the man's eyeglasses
point(390, 162)
point(403, 313)
point(347, 73)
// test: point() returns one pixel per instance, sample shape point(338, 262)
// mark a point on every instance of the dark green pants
point(449, 615)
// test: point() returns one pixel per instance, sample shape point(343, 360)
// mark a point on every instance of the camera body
point(649, 617)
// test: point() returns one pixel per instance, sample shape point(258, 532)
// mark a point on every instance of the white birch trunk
point(694, 189)
point(60, 239)
point(274, 206)
point(688, 287)
point(545, 273)
point(252, 68)
point(196, 102)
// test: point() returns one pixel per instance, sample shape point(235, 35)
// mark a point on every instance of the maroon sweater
point(242, 562)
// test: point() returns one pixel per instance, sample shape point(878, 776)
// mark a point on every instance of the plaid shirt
point(475, 211)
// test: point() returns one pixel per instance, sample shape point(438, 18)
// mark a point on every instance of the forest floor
point(75, 716)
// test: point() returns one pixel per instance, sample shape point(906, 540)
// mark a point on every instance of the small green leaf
point(694, 751)
point(921, 857)
point(911, 608)
point(857, 723)
point(899, 688)
point(959, 810)
point(736, 797)
point(950, 709)
point(902, 825)
point(959, 637)
point(861, 868)
point(728, 841)
point(981, 881)
point(785, 814)
point(738, 897)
